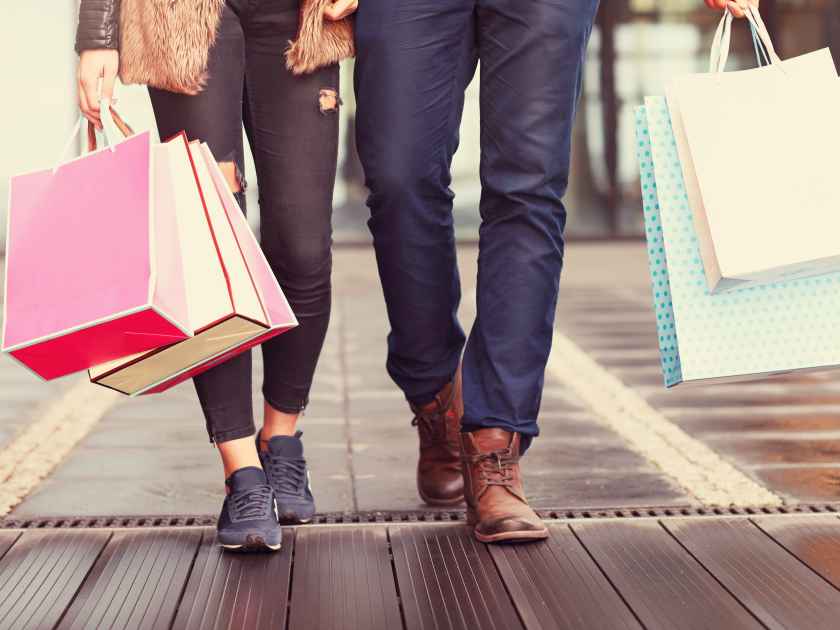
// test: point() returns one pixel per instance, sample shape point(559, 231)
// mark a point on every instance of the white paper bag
point(233, 298)
point(759, 150)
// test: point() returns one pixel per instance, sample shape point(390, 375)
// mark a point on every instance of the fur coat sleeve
point(166, 45)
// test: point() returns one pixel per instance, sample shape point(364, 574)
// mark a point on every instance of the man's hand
point(340, 9)
point(736, 7)
point(94, 65)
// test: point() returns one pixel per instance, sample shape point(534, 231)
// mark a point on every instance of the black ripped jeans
point(295, 147)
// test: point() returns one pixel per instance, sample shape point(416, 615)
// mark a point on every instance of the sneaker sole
point(512, 537)
point(289, 518)
point(254, 543)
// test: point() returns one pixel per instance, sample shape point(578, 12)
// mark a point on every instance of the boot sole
point(440, 502)
point(511, 537)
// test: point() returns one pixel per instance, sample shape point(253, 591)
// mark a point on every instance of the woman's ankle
point(276, 422)
point(239, 453)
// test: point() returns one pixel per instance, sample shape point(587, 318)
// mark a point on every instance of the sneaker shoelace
point(287, 475)
point(251, 504)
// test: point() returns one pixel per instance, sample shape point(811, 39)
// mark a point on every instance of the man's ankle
point(426, 404)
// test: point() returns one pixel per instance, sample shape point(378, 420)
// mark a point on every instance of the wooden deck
point(780, 571)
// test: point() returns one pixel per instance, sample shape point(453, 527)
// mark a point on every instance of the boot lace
point(431, 425)
point(496, 467)
point(288, 476)
point(251, 504)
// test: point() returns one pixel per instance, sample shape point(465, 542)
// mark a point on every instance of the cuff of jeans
point(218, 437)
point(286, 404)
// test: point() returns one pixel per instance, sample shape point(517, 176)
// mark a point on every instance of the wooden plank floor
point(692, 572)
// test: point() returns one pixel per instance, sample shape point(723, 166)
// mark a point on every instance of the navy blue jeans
point(415, 59)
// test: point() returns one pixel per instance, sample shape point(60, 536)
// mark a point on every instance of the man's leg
point(414, 60)
point(531, 54)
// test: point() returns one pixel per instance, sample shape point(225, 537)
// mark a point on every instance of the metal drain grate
point(347, 518)
point(91, 522)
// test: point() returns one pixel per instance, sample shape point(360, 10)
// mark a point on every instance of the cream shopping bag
point(758, 151)
point(234, 300)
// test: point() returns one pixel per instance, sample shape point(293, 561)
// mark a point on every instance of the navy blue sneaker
point(248, 521)
point(286, 470)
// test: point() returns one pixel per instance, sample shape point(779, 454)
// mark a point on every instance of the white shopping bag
point(758, 151)
point(234, 300)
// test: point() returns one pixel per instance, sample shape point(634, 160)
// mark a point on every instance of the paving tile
point(743, 397)
point(23, 396)
point(771, 451)
point(601, 489)
point(782, 431)
point(150, 455)
point(699, 423)
point(157, 406)
point(803, 483)
point(605, 452)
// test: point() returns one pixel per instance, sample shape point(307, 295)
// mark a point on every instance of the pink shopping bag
point(234, 299)
point(93, 267)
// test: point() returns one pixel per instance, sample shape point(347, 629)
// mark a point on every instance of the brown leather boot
point(496, 504)
point(439, 478)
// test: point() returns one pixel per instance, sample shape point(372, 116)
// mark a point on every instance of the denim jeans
point(295, 147)
point(415, 59)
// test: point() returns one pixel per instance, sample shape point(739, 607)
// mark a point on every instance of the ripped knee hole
point(328, 100)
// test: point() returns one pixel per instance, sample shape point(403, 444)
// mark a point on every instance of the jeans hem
point(426, 398)
point(421, 401)
point(220, 437)
point(287, 405)
point(526, 433)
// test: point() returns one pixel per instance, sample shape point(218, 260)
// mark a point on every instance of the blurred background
point(635, 47)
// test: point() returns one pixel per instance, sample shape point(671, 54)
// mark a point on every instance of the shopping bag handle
point(112, 118)
point(760, 28)
point(760, 52)
point(721, 42)
point(111, 122)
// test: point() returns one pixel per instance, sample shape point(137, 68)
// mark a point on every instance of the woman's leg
point(215, 116)
point(292, 125)
point(249, 513)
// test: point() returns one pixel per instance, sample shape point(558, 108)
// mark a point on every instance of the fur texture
point(319, 42)
point(166, 43)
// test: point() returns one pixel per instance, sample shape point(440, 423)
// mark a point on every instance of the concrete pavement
point(151, 455)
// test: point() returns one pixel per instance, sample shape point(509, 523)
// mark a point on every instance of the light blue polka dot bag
point(744, 333)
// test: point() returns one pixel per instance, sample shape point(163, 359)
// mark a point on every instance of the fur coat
point(166, 44)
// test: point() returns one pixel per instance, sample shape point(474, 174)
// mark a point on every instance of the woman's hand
point(340, 9)
point(736, 7)
point(94, 65)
